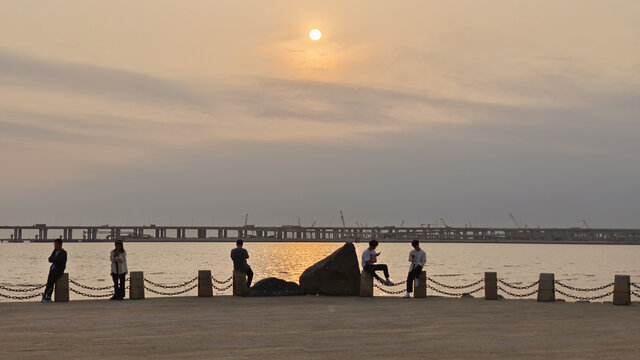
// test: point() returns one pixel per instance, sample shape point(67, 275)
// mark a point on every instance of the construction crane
point(246, 219)
point(514, 221)
point(443, 222)
point(402, 223)
point(342, 219)
point(313, 224)
point(585, 224)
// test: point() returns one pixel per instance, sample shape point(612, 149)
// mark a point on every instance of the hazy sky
point(181, 112)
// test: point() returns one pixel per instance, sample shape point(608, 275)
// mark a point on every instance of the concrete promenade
point(310, 327)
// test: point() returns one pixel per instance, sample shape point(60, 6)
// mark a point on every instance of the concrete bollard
point(420, 291)
point(622, 290)
point(205, 285)
point(62, 288)
point(239, 282)
point(136, 285)
point(491, 286)
point(546, 288)
point(366, 284)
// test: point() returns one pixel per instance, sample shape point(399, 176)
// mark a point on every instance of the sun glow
point(315, 34)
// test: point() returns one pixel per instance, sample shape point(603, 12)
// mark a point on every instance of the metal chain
point(89, 295)
point(224, 288)
point(583, 289)
point(634, 293)
point(171, 286)
point(516, 286)
point(635, 285)
point(517, 295)
point(584, 297)
point(172, 294)
point(20, 297)
point(453, 294)
point(388, 291)
point(38, 287)
point(90, 287)
point(455, 287)
point(221, 282)
point(394, 284)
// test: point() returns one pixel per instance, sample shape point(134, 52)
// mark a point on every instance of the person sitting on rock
point(369, 258)
point(417, 258)
point(239, 257)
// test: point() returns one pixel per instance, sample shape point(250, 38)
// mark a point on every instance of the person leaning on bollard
point(239, 257)
point(417, 258)
point(58, 259)
point(369, 258)
point(118, 269)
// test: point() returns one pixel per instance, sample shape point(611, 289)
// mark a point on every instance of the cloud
point(50, 75)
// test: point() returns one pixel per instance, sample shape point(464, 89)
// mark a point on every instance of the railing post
point(205, 285)
point(366, 284)
point(136, 285)
point(546, 288)
point(62, 288)
point(490, 285)
point(622, 290)
point(239, 282)
point(420, 291)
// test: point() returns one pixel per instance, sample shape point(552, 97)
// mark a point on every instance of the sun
point(315, 34)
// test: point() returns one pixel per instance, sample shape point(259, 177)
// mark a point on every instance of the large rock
point(273, 287)
point(337, 274)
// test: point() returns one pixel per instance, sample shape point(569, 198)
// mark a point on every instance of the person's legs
point(115, 286)
point(413, 274)
point(371, 270)
point(249, 273)
point(51, 281)
point(121, 286)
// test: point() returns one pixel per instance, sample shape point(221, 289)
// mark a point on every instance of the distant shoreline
point(271, 240)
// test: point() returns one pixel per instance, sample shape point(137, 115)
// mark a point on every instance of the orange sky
point(92, 89)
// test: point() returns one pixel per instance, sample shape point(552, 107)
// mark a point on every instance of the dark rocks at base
point(337, 274)
point(466, 296)
point(274, 287)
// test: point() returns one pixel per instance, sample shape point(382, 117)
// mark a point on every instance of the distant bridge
point(292, 233)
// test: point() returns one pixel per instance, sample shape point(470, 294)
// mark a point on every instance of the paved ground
point(311, 327)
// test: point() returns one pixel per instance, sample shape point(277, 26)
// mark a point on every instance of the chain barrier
point(517, 295)
point(173, 293)
point(393, 284)
point(634, 293)
point(584, 298)
point(224, 288)
point(583, 289)
point(36, 288)
point(443, 292)
point(392, 292)
point(90, 295)
point(171, 286)
point(636, 285)
point(517, 287)
point(221, 282)
point(90, 287)
point(455, 287)
point(26, 297)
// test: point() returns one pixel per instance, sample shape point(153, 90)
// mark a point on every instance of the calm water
point(454, 264)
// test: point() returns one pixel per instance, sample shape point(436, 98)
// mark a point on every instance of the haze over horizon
point(197, 112)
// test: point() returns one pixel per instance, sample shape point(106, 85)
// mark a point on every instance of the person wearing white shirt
point(417, 258)
point(369, 258)
point(118, 269)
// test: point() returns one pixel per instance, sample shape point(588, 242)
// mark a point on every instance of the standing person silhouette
point(58, 260)
point(239, 257)
point(118, 258)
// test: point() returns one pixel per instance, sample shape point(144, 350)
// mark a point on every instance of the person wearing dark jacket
point(58, 260)
point(239, 257)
